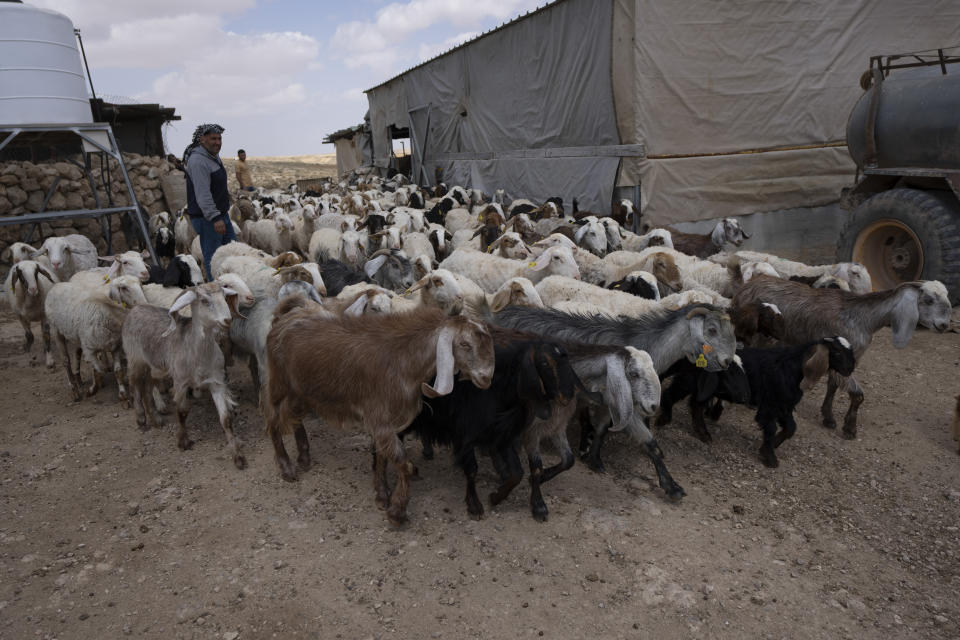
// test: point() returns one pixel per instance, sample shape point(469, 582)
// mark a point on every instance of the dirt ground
point(279, 172)
point(107, 532)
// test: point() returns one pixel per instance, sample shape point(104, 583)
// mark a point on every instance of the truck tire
point(905, 234)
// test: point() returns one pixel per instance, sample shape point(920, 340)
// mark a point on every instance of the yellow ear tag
point(616, 286)
point(480, 218)
point(106, 278)
point(701, 361)
point(707, 348)
point(531, 264)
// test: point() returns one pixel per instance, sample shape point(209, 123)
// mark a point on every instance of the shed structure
point(711, 108)
point(352, 146)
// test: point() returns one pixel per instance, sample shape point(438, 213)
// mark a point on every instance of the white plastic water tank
point(41, 74)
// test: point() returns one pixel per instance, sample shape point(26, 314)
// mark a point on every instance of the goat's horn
point(380, 252)
point(419, 284)
point(699, 311)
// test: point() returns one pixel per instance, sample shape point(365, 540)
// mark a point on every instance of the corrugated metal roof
point(519, 18)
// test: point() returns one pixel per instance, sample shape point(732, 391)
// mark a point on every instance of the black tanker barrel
point(918, 123)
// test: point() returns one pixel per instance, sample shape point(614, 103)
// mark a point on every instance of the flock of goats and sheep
point(361, 303)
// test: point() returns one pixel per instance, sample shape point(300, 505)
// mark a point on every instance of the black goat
point(440, 210)
point(415, 200)
point(636, 286)
point(776, 377)
point(337, 275)
point(374, 223)
point(530, 374)
point(164, 243)
point(557, 200)
point(179, 272)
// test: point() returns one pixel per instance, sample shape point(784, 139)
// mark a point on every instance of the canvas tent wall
point(352, 146)
point(711, 108)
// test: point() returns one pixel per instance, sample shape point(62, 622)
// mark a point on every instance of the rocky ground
point(279, 172)
point(107, 532)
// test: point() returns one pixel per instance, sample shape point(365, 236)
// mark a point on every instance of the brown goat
point(491, 226)
point(756, 319)
point(704, 245)
point(368, 370)
point(285, 259)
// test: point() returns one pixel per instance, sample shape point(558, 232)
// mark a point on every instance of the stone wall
point(24, 185)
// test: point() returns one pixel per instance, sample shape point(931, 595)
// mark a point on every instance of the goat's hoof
point(397, 518)
point(143, 425)
point(829, 422)
point(769, 459)
point(303, 463)
point(496, 498)
point(382, 502)
point(475, 509)
point(184, 444)
point(239, 462)
point(704, 437)
point(594, 464)
point(540, 513)
point(674, 493)
point(849, 434)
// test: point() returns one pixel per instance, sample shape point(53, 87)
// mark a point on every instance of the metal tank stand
point(95, 138)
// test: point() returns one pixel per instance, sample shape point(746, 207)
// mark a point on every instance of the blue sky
point(277, 74)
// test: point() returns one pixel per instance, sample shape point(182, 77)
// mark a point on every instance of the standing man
point(208, 200)
point(243, 172)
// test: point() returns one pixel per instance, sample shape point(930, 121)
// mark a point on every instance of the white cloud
point(95, 18)
point(379, 44)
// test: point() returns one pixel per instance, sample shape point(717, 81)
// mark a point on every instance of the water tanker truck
point(904, 136)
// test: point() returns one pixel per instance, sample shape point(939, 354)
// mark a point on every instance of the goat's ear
point(185, 299)
point(373, 265)
point(233, 300)
point(707, 384)
point(905, 315)
point(42, 270)
point(816, 362)
point(105, 258)
point(621, 396)
point(501, 299)
point(16, 277)
point(580, 232)
point(113, 270)
point(443, 383)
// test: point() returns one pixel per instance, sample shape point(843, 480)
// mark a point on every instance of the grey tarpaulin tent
point(352, 146)
point(712, 108)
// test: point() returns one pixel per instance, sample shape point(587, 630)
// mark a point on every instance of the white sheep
point(69, 254)
point(233, 249)
point(338, 221)
point(128, 263)
point(90, 320)
point(459, 219)
point(653, 238)
point(511, 245)
point(591, 236)
point(27, 285)
point(416, 243)
point(304, 225)
point(556, 289)
point(273, 236)
point(853, 272)
point(184, 233)
point(492, 271)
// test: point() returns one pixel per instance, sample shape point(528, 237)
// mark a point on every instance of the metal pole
point(133, 202)
point(96, 105)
